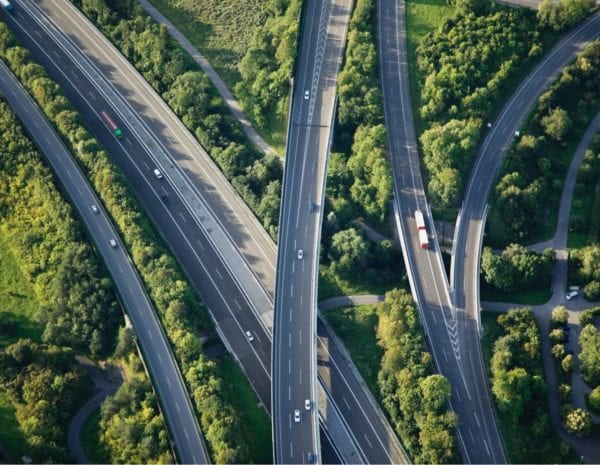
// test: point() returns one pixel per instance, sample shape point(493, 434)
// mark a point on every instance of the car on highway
point(157, 173)
point(307, 404)
point(297, 416)
point(249, 336)
point(310, 457)
point(113, 243)
point(95, 209)
point(306, 94)
point(300, 254)
point(166, 200)
point(571, 295)
point(312, 207)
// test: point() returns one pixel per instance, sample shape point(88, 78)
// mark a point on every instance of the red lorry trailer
point(423, 239)
point(111, 125)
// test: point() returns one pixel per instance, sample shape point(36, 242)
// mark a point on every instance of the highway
point(469, 232)
point(201, 225)
point(294, 381)
point(158, 358)
point(453, 337)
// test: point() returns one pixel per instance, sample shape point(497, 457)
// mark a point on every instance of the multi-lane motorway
point(295, 421)
point(453, 338)
point(166, 377)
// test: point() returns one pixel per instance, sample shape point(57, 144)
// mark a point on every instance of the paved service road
point(150, 124)
point(295, 428)
point(164, 372)
point(452, 336)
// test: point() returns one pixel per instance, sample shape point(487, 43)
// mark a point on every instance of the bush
point(564, 13)
point(589, 357)
point(594, 398)
point(591, 291)
point(565, 393)
point(568, 363)
point(577, 421)
point(517, 268)
point(560, 315)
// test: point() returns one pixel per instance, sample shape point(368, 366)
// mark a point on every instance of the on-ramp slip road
point(295, 419)
point(452, 335)
point(165, 376)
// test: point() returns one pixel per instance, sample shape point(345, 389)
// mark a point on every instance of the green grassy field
point(220, 29)
point(255, 421)
point(18, 302)
point(10, 435)
point(356, 327)
point(526, 297)
point(422, 17)
point(332, 285)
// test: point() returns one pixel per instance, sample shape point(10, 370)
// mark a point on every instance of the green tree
point(560, 315)
point(349, 252)
point(568, 363)
point(557, 123)
point(594, 398)
point(589, 357)
point(578, 422)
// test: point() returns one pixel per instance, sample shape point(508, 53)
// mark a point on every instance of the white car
point(300, 254)
point(249, 336)
point(95, 209)
point(297, 416)
point(306, 94)
point(157, 173)
point(571, 295)
point(517, 133)
point(307, 404)
point(113, 243)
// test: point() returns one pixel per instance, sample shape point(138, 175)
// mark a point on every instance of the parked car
point(571, 295)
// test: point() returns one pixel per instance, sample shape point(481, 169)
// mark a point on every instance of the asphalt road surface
point(182, 228)
point(295, 422)
point(163, 369)
point(453, 338)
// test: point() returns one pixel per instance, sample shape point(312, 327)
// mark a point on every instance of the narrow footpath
point(232, 103)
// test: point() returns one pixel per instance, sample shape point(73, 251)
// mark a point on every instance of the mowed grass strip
point(220, 29)
point(357, 328)
point(256, 425)
point(18, 303)
point(422, 17)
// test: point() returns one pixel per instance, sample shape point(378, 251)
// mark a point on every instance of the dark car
point(312, 207)
point(166, 200)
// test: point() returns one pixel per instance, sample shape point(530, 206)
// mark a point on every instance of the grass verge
point(256, 425)
point(90, 439)
point(18, 303)
point(422, 17)
point(356, 327)
point(525, 297)
point(333, 285)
